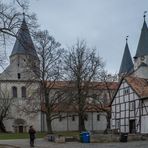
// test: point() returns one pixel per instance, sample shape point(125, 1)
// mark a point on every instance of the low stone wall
point(102, 138)
point(97, 138)
point(134, 137)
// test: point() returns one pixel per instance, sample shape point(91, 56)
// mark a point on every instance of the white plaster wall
point(68, 125)
point(10, 73)
point(15, 108)
point(141, 72)
point(144, 124)
point(8, 124)
point(72, 125)
point(60, 125)
point(120, 113)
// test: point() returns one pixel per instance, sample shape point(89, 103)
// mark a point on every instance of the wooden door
point(132, 127)
point(20, 129)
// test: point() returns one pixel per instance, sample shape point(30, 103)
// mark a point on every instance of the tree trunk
point(2, 127)
point(81, 122)
point(49, 126)
point(108, 122)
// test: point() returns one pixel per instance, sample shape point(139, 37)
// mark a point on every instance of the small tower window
point(23, 91)
point(98, 117)
point(86, 117)
point(18, 75)
point(14, 91)
point(73, 117)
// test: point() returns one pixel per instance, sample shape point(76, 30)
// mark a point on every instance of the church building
point(19, 83)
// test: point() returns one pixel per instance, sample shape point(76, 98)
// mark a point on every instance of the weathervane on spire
point(127, 38)
point(23, 14)
point(144, 14)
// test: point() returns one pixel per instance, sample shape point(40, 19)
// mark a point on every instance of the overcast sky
point(104, 24)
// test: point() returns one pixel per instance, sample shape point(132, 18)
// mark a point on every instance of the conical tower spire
point(23, 44)
point(142, 48)
point(127, 63)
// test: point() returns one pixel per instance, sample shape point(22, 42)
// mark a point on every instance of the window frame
point(14, 92)
point(98, 117)
point(23, 92)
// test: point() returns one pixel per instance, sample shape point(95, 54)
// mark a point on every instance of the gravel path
point(41, 143)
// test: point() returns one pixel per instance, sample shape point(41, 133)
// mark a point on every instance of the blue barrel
point(85, 137)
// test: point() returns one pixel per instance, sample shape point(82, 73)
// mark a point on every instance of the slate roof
point(142, 48)
point(23, 43)
point(127, 63)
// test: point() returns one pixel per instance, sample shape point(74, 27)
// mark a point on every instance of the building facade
point(130, 103)
point(20, 85)
point(18, 82)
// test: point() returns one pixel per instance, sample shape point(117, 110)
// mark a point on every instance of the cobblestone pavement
point(41, 143)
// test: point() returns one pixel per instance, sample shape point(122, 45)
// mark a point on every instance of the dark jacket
point(32, 133)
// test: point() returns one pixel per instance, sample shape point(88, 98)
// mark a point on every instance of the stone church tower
point(140, 66)
point(141, 57)
point(22, 55)
point(19, 82)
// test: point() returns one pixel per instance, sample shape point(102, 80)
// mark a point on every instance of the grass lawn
point(4, 136)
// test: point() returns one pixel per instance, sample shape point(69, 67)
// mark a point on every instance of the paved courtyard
point(41, 143)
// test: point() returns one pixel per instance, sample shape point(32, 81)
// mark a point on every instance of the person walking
point(32, 135)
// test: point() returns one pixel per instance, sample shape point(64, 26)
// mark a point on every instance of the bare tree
point(10, 21)
point(49, 73)
point(102, 99)
point(81, 68)
point(5, 106)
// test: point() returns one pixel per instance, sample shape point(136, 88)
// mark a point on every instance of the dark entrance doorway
point(20, 129)
point(132, 127)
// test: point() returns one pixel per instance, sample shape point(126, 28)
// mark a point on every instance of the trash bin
point(123, 137)
point(85, 137)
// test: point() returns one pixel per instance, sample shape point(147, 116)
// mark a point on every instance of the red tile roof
point(93, 85)
point(139, 85)
point(74, 108)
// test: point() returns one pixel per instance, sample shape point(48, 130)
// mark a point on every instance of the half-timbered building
point(129, 107)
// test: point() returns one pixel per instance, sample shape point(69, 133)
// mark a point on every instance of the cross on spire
point(127, 38)
point(23, 15)
point(144, 15)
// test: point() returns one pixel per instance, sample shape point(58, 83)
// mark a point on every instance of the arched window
point(23, 91)
point(14, 91)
